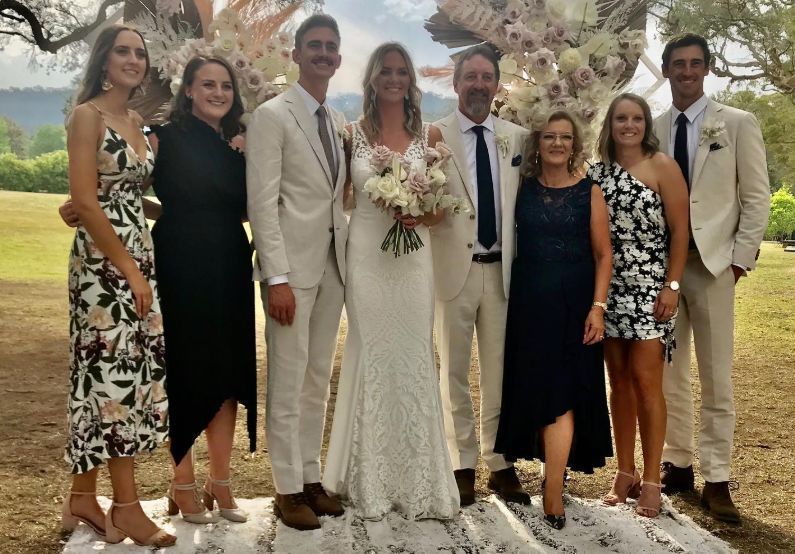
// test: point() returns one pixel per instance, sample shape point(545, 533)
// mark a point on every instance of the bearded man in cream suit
point(472, 257)
point(722, 155)
point(295, 177)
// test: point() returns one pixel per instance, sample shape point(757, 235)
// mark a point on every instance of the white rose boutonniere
point(711, 129)
point(503, 142)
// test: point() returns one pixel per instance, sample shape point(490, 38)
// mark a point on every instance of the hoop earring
point(106, 85)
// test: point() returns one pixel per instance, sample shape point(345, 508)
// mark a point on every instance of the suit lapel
point(451, 131)
point(504, 160)
point(308, 124)
point(664, 131)
point(703, 145)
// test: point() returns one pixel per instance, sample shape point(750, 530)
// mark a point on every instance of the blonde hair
point(531, 166)
point(371, 120)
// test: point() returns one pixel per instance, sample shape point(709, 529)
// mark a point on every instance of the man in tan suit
point(295, 177)
point(722, 156)
point(472, 257)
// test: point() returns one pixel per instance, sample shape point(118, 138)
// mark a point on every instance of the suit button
point(331, 229)
point(470, 245)
point(280, 201)
point(471, 216)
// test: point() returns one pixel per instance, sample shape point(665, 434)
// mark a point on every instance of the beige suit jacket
point(453, 240)
point(730, 191)
point(294, 205)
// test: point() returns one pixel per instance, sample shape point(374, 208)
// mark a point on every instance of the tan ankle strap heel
point(232, 514)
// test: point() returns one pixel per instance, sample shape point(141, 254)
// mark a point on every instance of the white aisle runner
point(488, 526)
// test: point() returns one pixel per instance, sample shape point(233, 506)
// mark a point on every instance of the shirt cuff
point(277, 279)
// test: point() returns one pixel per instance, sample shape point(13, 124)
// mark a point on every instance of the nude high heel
point(69, 520)
point(625, 485)
point(650, 501)
point(232, 514)
point(204, 516)
point(113, 535)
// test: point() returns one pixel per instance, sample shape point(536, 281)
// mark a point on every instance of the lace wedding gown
point(387, 449)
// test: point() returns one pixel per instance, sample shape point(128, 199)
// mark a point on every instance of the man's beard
point(478, 107)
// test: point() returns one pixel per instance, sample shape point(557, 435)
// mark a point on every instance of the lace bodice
point(362, 151)
point(553, 224)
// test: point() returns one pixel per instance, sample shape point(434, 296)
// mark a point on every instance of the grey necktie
point(325, 139)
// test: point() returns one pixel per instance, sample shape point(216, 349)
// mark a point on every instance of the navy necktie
point(680, 147)
point(487, 220)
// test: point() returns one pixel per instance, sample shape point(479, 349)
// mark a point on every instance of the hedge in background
point(46, 173)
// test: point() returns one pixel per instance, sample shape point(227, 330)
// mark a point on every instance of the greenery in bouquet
point(263, 68)
point(410, 190)
point(555, 54)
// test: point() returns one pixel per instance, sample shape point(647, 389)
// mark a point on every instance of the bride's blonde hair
point(371, 120)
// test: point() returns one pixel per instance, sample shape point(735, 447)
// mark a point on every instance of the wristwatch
point(673, 285)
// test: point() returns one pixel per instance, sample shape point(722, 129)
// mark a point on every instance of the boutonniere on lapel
point(503, 142)
point(712, 129)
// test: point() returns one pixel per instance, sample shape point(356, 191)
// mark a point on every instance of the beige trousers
point(300, 361)
point(480, 306)
point(706, 309)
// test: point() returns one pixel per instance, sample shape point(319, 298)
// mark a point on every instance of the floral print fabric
point(117, 399)
point(639, 235)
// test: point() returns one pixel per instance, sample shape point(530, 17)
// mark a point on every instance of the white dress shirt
point(470, 139)
point(695, 117)
point(312, 106)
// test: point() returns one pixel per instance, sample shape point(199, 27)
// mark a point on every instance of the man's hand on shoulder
point(281, 303)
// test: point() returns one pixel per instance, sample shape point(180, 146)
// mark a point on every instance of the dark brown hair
point(91, 85)
point(479, 50)
point(607, 146)
point(686, 39)
point(316, 20)
point(182, 106)
point(532, 159)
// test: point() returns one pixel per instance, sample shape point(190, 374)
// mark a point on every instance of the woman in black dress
point(203, 262)
point(553, 401)
point(646, 197)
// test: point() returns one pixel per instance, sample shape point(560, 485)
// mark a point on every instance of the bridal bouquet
point(410, 189)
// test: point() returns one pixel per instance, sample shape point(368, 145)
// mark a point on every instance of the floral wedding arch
point(574, 55)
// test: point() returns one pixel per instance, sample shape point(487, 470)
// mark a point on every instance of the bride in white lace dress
point(387, 449)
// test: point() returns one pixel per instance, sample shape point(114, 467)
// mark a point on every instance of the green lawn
point(34, 241)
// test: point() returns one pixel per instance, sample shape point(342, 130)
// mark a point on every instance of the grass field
point(33, 378)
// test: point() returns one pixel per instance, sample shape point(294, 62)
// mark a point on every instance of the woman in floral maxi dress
point(117, 399)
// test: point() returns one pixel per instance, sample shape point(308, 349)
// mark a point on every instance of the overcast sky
point(363, 25)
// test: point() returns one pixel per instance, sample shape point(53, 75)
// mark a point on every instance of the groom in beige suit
point(722, 155)
point(295, 176)
point(472, 257)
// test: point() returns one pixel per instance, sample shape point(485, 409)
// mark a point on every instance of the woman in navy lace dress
point(553, 402)
point(646, 197)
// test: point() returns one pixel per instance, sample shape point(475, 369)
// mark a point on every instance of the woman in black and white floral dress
point(117, 398)
point(647, 201)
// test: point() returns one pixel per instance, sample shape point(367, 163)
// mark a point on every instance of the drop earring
point(106, 85)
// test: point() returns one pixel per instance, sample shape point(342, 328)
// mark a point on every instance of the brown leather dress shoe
point(507, 486)
point(676, 479)
point(294, 511)
point(718, 500)
point(320, 502)
point(465, 479)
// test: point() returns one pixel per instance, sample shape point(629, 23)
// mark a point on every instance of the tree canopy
point(750, 40)
point(776, 115)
